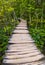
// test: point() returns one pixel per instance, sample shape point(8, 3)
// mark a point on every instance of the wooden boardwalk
point(22, 49)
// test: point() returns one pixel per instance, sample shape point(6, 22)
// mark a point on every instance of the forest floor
point(22, 49)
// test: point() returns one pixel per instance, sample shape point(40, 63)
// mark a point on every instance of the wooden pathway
point(22, 49)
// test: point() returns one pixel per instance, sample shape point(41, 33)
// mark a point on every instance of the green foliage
point(38, 34)
point(8, 22)
point(31, 10)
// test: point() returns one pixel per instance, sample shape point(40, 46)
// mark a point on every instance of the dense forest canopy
point(31, 10)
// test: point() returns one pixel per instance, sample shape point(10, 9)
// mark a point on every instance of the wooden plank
point(16, 56)
point(21, 31)
point(23, 60)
